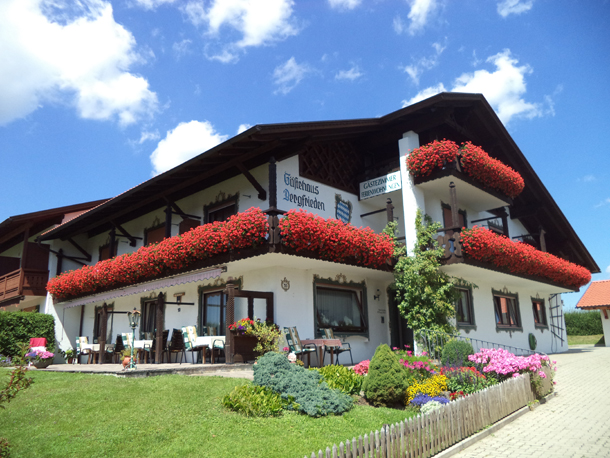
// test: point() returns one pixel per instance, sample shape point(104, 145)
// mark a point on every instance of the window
point(148, 323)
point(221, 212)
point(463, 308)
point(154, 235)
point(340, 308)
point(97, 323)
point(507, 310)
point(447, 220)
point(187, 224)
point(539, 313)
point(212, 314)
point(105, 251)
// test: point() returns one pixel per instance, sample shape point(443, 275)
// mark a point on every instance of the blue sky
point(98, 96)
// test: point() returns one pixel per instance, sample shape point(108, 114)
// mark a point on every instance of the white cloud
point(503, 88)
point(260, 22)
point(603, 203)
point(344, 4)
point(72, 53)
point(186, 141)
point(608, 270)
point(151, 4)
point(399, 25)
point(181, 48)
point(425, 63)
point(351, 74)
point(288, 75)
point(149, 136)
point(243, 128)
point(507, 7)
point(588, 178)
point(419, 14)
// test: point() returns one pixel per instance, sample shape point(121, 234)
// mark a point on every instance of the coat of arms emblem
point(343, 209)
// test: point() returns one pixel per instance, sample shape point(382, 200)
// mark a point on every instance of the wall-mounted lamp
point(378, 295)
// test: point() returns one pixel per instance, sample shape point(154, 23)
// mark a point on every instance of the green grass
point(67, 415)
point(586, 340)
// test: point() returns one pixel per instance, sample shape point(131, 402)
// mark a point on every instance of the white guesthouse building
point(335, 169)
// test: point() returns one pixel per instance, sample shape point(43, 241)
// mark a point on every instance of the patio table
point(141, 346)
point(208, 341)
point(94, 350)
point(321, 343)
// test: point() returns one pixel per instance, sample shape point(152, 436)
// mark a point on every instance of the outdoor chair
point(118, 349)
point(80, 350)
point(329, 334)
point(218, 347)
point(176, 346)
point(294, 343)
point(190, 337)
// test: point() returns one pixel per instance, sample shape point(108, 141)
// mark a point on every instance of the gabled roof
point(456, 116)
point(12, 228)
point(597, 295)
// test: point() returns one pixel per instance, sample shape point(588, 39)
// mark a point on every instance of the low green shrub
point(341, 378)
point(256, 401)
point(386, 382)
point(583, 323)
point(20, 327)
point(274, 371)
point(456, 352)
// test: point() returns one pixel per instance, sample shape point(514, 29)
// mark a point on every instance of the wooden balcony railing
point(23, 282)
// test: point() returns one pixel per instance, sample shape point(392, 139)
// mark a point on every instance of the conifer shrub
point(386, 382)
point(297, 384)
point(455, 353)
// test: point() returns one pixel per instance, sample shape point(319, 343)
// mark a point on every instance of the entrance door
point(401, 335)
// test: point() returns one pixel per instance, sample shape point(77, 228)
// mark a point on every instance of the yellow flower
point(432, 387)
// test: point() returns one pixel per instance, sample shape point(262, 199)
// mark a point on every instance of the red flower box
point(329, 239)
point(334, 240)
point(475, 162)
point(520, 258)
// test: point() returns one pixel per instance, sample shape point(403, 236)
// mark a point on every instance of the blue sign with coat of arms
point(343, 209)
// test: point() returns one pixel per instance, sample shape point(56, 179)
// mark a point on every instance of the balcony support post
point(542, 240)
point(159, 329)
point(112, 243)
point(455, 216)
point(230, 319)
point(389, 210)
point(168, 220)
point(60, 262)
point(101, 339)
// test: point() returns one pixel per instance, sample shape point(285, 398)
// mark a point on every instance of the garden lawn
point(67, 415)
point(586, 340)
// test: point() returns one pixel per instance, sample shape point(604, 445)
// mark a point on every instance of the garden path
point(572, 424)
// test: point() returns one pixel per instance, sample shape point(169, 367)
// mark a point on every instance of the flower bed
point(334, 240)
point(244, 230)
point(474, 160)
point(520, 258)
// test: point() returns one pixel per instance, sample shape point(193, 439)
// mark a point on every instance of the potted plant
point(253, 338)
point(70, 355)
point(40, 358)
point(127, 357)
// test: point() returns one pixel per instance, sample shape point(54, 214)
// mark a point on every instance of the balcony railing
point(23, 282)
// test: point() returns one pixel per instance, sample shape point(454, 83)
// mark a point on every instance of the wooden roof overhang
point(13, 228)
point(455, 116)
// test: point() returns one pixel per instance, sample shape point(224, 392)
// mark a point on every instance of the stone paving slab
point(574, 424)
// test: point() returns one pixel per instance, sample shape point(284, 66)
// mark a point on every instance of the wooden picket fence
point(426, 435)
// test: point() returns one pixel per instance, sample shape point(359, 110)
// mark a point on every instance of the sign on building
point(381, 185)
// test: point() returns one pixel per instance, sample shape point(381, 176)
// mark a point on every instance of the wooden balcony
point(23, 282)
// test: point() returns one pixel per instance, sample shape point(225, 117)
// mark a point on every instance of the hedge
point(17, 327)
point(587, 323)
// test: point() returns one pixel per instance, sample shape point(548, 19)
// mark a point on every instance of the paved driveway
point(576, 423)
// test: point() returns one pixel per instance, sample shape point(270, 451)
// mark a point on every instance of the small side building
point(597, 297)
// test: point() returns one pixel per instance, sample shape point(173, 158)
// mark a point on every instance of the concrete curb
point(460, 446)
point(151, 372)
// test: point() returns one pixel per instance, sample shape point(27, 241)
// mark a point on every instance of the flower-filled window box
point(520, 258)
point(474, 162)
point(333, 240)
point(327, 239)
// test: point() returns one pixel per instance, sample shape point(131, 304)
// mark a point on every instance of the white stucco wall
point(606, 327)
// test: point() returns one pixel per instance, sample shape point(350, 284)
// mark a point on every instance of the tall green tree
point(426, 295)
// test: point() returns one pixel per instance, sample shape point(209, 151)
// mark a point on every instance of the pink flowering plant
point(419, 368)
point(39, 355)
point(504, 364)
point(362, 368)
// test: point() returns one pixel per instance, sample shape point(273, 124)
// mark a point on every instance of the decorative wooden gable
point(336, 164)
